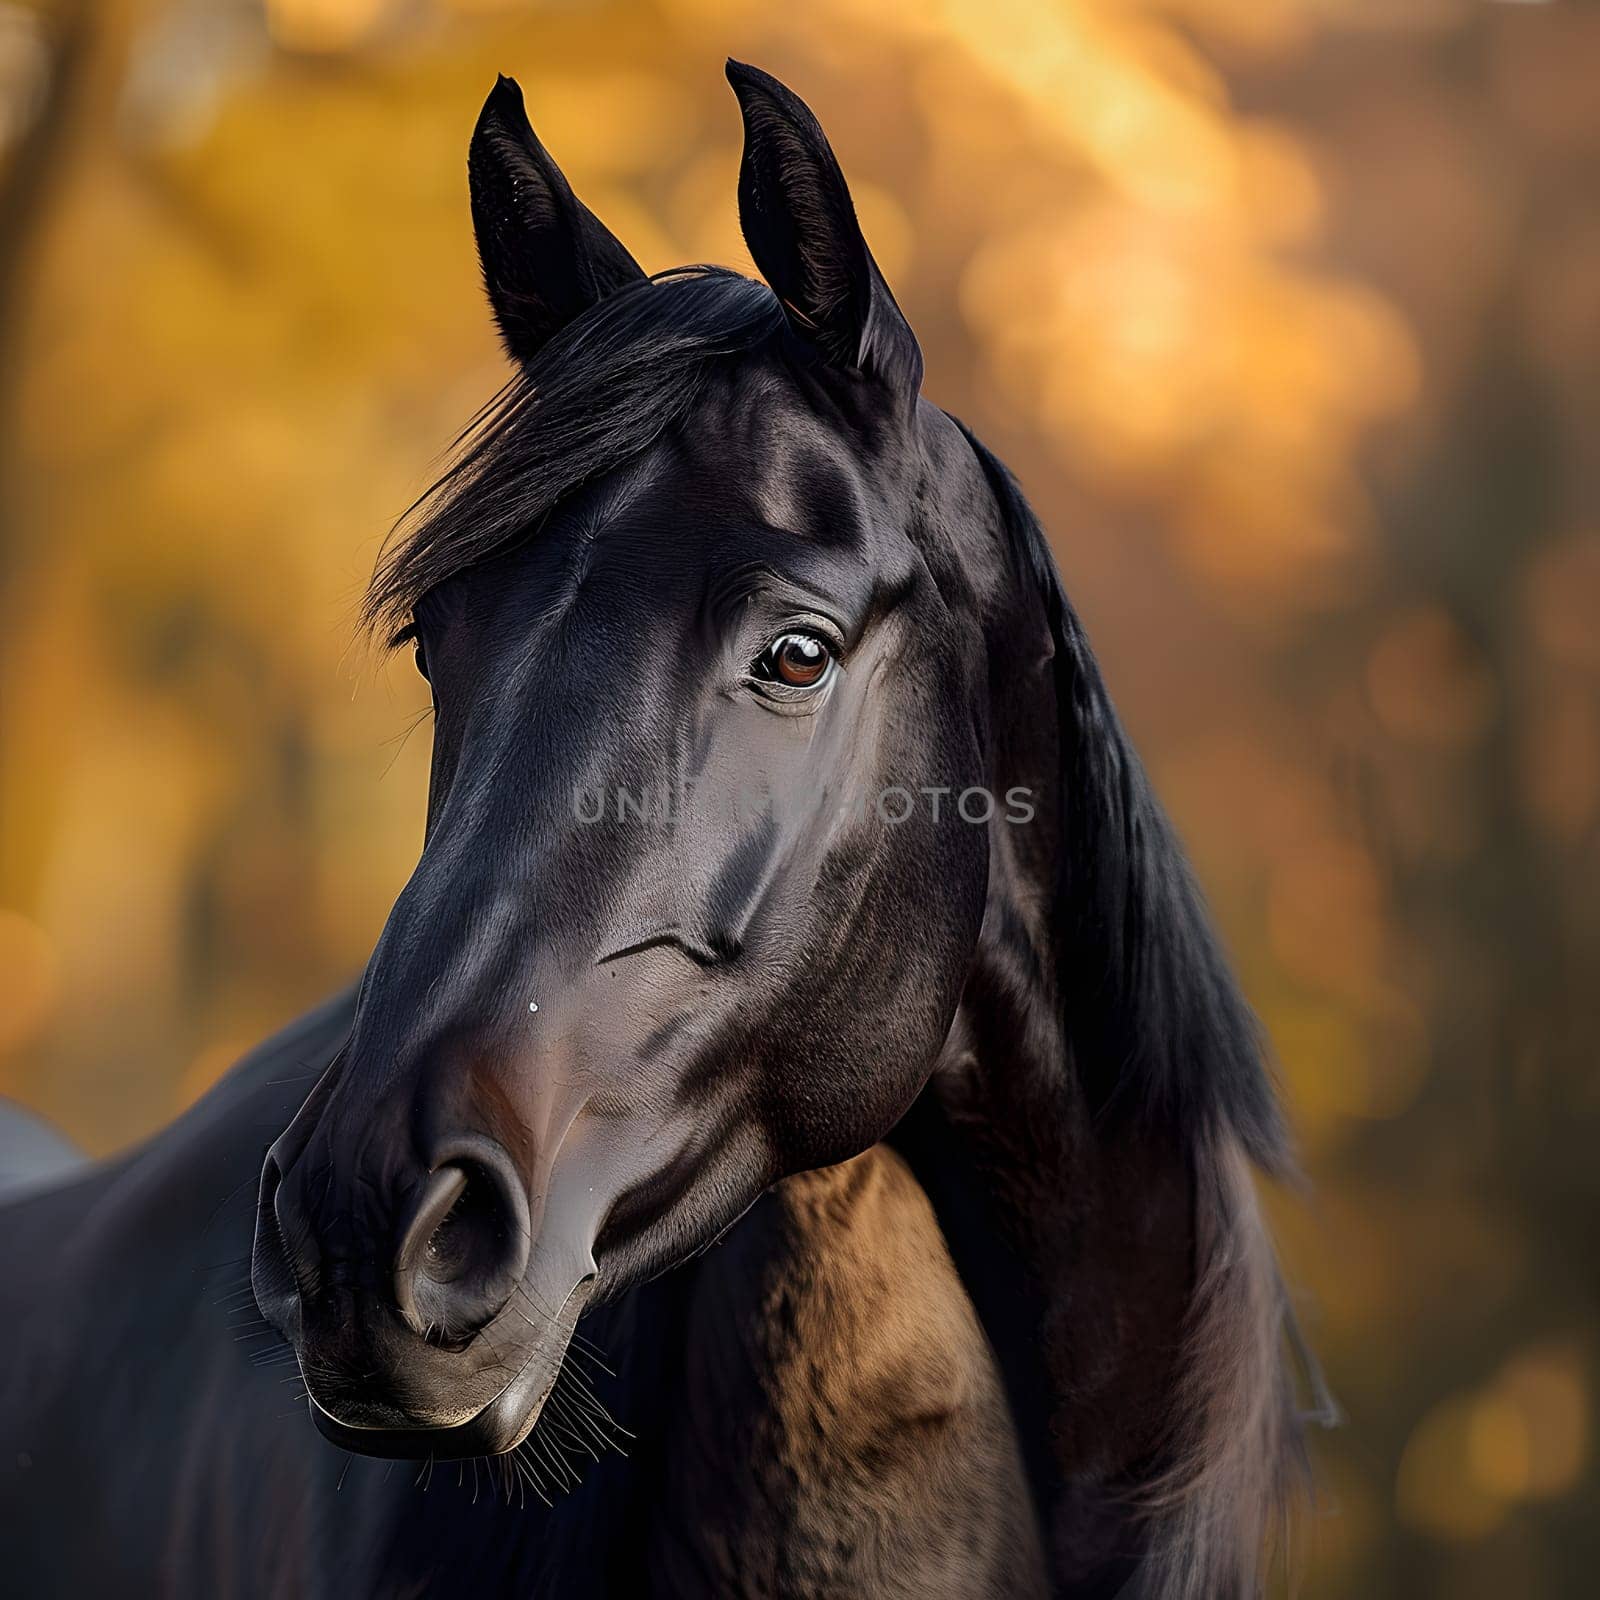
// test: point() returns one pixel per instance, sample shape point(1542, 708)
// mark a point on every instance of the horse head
point(711, 810)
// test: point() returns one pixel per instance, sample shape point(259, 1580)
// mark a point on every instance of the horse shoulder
point(844, 1430)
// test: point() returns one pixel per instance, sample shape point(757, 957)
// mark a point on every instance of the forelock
point(600, 392)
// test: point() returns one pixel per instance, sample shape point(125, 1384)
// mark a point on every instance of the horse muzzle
point(430, 1311)
point(498, 1426)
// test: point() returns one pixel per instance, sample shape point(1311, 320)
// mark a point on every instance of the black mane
point(598, 393)
point(1154, 1018)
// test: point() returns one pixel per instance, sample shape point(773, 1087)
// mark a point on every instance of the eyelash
point(409, 635)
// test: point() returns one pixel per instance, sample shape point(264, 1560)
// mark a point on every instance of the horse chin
point(497, 1427)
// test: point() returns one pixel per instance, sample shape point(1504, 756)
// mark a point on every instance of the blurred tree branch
point(28, 183)
point(31, 180)
point(85, 44)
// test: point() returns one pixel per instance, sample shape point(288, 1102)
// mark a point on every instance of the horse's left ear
point(546, 257)
point(799, 221)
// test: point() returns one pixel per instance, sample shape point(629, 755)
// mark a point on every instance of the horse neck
point(1123, 1277)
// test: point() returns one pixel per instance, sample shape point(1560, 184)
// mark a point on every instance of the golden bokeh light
point(1524, 1436)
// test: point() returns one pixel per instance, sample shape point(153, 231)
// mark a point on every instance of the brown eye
point(797, 661)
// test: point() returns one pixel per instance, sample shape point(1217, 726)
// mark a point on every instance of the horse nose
point(464, 1249)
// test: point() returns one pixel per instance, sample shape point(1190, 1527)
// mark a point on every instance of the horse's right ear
point(800, 224)
point(546, 257)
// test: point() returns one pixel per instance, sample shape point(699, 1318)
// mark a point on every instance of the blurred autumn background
point(1286, 311)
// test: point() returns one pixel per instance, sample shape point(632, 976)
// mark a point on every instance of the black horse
point(789, 887)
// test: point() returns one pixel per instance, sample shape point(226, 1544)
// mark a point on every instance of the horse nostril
point(464, 1248)
point(275, 1275)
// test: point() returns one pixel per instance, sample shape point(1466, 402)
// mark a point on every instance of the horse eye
point(797, 661)
point(420, 658)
